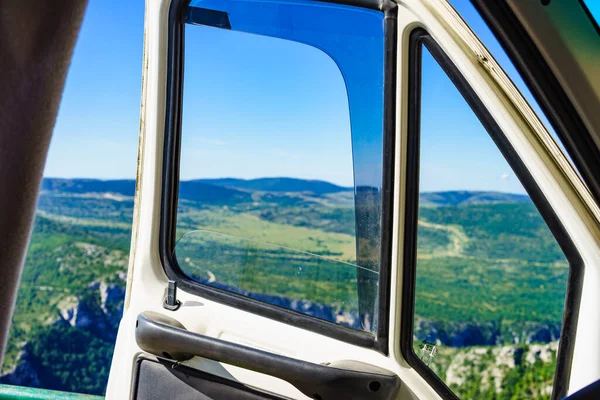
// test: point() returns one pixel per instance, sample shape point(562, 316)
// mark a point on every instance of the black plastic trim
point(378, 5)
point(418, 39)
point(164, 336)
point(186, 377)
point(387, 195)
point(546, 89)
point(170, 172)
point(204, 16)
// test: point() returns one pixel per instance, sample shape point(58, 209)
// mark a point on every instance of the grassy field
point(261, 268)
point(335, 245)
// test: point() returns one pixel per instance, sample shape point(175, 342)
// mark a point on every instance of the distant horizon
point(289, 177)
point(88, 145)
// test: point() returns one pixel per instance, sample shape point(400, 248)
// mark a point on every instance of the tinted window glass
point(281, 155)
point(490, 277)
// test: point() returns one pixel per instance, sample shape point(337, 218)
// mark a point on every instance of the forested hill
point(464, 197)
point(489, 246)
point(229, 188)
point(127, 186)
point(277, 185)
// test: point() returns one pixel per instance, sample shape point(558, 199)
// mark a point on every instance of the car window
point(490, 276)
point(470, 15)
point(280, 172)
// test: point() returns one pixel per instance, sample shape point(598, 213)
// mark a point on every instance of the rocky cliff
point(470, 333)
point(499, 372)
point(91, 317)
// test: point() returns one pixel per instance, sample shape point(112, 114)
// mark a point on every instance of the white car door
point(281, 285)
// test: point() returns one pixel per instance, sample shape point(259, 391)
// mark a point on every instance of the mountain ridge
point(239, 190)
point(278, 184)
point(464, 197)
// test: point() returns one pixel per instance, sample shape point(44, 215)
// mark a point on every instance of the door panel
point(166, 337)
point(160, 378)
point(236, 312)
point(233, 295)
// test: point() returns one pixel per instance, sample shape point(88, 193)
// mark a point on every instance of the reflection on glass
point(281, 155)
point(490, 277)
point(314, 285)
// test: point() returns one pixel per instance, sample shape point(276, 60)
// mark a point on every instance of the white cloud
point(504, 176)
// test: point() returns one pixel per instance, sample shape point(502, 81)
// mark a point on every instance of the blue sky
point(97, 127)
point(227, 127)
point(256, 106)
point(456, 151)
point(246, 108)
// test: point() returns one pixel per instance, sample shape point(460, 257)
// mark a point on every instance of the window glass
point(281, 155)
point(490, 277)
point(470, 15)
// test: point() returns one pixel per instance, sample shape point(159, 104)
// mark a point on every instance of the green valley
point(490, 281)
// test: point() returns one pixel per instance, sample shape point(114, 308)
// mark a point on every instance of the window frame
point(170, 186)
point(420, 38)
point(545, 88)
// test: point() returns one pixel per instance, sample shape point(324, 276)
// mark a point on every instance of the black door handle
point(165, 337)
